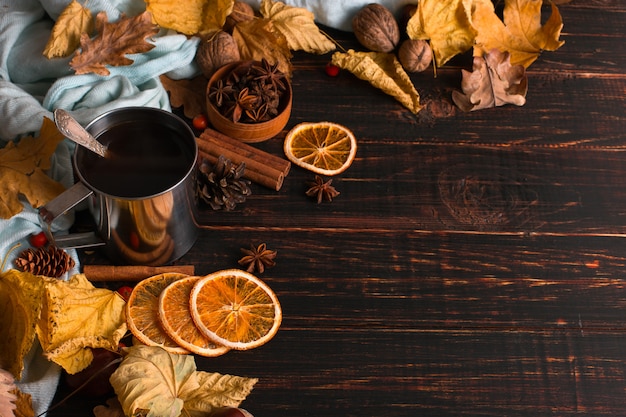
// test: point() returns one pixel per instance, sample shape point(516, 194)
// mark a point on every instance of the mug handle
point(67, 200)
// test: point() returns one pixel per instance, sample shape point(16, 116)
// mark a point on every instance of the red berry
point(38, 240)
point(125, 292)
point(332, 70)
point(134, 240)
point(200, 122)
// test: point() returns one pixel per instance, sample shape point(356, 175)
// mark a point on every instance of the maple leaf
point(520, 32)
point(113, 42)
point(163, 384)
point(445, 24)
point(22, 170)
point(21, 295)
point(190, 16)
point(65, 36)
point(258, 39)
point(76, 318)
point(383, 71)
point(189, 94)
point(493, 82)
point(298, 26)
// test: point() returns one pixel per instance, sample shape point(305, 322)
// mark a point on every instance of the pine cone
point(221, 185)
point(51, 261)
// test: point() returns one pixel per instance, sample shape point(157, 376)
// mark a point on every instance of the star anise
point(322, 190)
point(257, 258)
point(245, 101)
point(219, 93)
point(270, 74)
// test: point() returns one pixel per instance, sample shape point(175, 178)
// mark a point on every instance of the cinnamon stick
point(261, 167)
point(131, 272)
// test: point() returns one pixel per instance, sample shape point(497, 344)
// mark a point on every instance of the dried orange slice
point(175, 318)
point(325, 148)
point(142, 312)
point(235, 309)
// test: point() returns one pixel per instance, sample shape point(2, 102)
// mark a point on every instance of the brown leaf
point(190, 17)
point(113, 42)
point(493, 82)
point(258, 39)
point(384, 72)
point(189, 94)
point(22, 171)
point(24, 404)
point(65, 37)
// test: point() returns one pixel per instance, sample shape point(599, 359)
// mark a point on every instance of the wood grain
point(473, 264)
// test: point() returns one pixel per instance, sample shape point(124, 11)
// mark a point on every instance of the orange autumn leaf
point(190, 17)
point(383, 71)
point(520, 32)
point(23, 169)
point(113, 42)
point(75, 20)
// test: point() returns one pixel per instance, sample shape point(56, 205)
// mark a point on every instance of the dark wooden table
point(474, 263)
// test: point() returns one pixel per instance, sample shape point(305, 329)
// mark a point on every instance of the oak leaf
point(258, 39)
point(65, 37)
point(493, 82)
point(21, 295)
point(383, 71)
point(22, 170)
point(298, 26)
point(190, 17)
point(445, 24)
point(113, 42)
point(7, 395)
point(187, 93)
point(76, 317)
point(520, 32)
point(151, 380)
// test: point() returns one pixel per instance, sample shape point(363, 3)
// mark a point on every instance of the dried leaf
point(521, 33)
point(445, 23)
point(189, 94)
point(22, 170)
point(112, 409)
point(298, 26)
point(65, 37)
point(24, 404)
point(493, 82)
point(7, 395)
point(76, 317)
point(258, 39)
point(190, 17)
point(383, 71)
point(163, 384)
point(113, 42)
point(21, 295)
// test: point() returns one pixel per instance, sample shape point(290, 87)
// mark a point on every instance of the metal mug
point(142, 197)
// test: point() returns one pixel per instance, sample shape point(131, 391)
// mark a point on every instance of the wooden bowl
point(248, 132)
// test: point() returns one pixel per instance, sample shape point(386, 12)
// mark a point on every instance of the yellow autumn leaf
point(257, 39)
point(65, 37)
point(445, 24)
point(298, 26)
point(383, 71)
point(21, 294)
point(190, 17)
point(76, 317)
point(22, 170)
point(520, 32)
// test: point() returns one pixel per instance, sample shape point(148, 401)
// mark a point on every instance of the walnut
point(376, 28)
point(415, 55)
point(242, 12)
point(216, 51)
